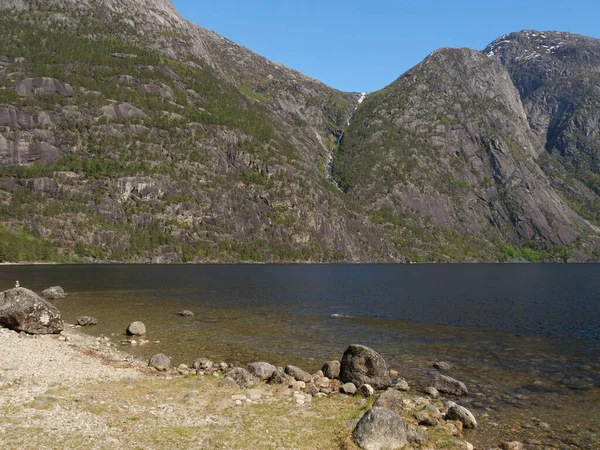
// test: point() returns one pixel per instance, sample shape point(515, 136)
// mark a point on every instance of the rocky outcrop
point(43, 85)
point(363, 365)
point(380, 429)
point(14, 153)
point(23, 310)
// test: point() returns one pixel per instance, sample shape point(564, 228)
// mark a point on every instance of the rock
point(348, 388)
point(331, 369)
point(124, 111)
point(391, 399)
point(54, 292)
point(362, 365)
point(450, 386)
point(202, 364)
point(278, 377)
point(380, 429)
point(442, 366)
point(262, 370)
point(402, 385)
point(462, 414)
point(311, 389)
point(416, 436)
point(185, 313)
point(393, 373)
point(430, 416)
point(367, 390)
point(85, 321)
point(514, 445)
point(432, 392)
point(136, 329)
point(298, 374)
point(16, 153)
point(24, 310)
point(160, 362)
point(43, 85)
point(242, 377)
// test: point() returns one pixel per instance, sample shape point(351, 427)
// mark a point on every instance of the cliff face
point(131, 134)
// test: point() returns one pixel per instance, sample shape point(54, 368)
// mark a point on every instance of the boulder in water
point(136, 329)
point(85, 321)
point(54, 292)
point(24, 310)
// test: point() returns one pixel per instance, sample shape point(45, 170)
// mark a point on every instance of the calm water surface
point(525, 338)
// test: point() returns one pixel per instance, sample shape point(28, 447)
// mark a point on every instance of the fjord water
point(525, 338)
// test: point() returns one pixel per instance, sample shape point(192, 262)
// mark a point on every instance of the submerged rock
point(362, 365)
point(85, 321)
point(185, 313)
point(24, 310)
point(380, 429)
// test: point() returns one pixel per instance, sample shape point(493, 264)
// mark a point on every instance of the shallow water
point(525, 338)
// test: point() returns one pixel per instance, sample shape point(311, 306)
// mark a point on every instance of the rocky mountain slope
point(130, 134)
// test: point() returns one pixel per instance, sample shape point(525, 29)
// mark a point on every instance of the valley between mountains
point(128, 134)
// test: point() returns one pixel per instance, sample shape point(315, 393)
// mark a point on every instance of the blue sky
point(363, 45)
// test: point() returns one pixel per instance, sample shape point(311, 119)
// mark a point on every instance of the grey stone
point(380, 429)
point(442, 366)
point(462, 414)
point(24, 310)
point(391, 399)
point(449, 385)
point(362, 365)
point(43, 85)
point(262, 370)
point(160, 362)
point(242, 377)
point(429, 416)
point(513, 445)
point(402, 385)
point(367, 390)
point(203, 364)
point(185, 313)
point(54, 292)
point(298, 374)
point(331, 369)
point(279, 377)
point(85, 321)
point(416, 436)
point(349, 388)
point(432, 392)
point(136, 329)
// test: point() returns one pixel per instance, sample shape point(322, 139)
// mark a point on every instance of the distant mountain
point(130, 134)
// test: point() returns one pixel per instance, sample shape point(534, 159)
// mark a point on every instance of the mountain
point(130, 134)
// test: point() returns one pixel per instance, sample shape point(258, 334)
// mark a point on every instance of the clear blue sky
point(363, 45)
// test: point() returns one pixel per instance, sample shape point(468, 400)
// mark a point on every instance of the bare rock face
point(43, 85)
point(24, 310)
point(122, 111)
point(380, 429)
point(13, 153)
point(363, 365)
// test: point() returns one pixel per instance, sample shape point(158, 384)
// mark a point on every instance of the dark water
point(525, 338)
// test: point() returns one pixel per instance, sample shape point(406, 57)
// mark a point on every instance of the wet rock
point(160, 362)
point(202, 364)
point(262, 370)
point(442, 366)
point(462, 414)
point(54, 292)
point(298, 374)
point(185, 313)
point(136, 329)
point(391, 399)
point(348, 388)
point(43, 85)
point(242, 377)
point(331, 369)
point(86, 321)
point(279, 377)
point(450, 386)
point(362, 365)
point(24, 310)
point(380, 429)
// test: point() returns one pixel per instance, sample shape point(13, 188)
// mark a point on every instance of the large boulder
point(363, 365)
point(331, 369)
point(391, 399)
point(24, 310)
point(54, 292)
point(380, 429)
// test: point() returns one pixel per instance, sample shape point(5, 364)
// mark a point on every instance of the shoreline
point(76, 388)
